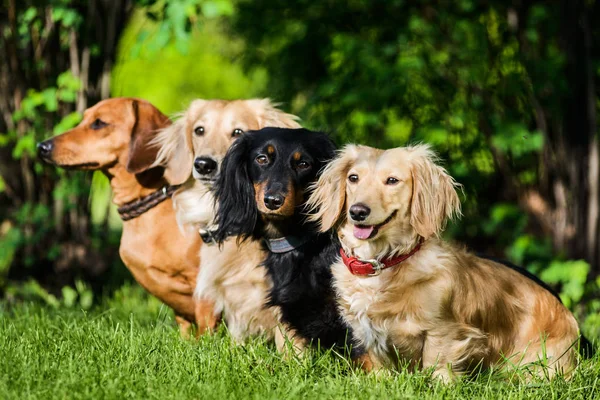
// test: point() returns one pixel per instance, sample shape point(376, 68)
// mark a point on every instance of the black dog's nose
point(205, 165)
point(274, 201)
point(359, 212)
point(45, 148)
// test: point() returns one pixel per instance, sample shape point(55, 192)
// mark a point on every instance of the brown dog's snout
point(274, 201)
point(205, 165)
point(45, 149)
point(359, 212)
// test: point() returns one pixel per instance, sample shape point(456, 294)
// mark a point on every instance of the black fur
point(302, 280)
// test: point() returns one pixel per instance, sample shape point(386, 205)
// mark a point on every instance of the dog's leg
point(455, 349)
point(286, 337)
point(206, 318)
point(185, 326)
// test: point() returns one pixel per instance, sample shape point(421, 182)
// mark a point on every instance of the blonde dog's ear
point(326, 202)
point(272, 116)
point(434, 198)
point(175, 152)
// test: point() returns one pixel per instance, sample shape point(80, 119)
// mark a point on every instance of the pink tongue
point(362, 232)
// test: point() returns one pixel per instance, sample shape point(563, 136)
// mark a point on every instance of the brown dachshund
point(113, 137)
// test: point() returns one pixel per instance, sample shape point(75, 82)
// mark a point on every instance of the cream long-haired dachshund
point(191, 151)
point(412, 297)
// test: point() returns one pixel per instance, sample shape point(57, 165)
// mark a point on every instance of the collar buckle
point(378, 266)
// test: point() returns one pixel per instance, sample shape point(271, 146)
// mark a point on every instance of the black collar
point(135, 208)
point(285, 244)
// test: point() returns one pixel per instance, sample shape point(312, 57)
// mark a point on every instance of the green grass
point(130, 348)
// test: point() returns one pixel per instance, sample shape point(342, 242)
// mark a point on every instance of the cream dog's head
point(386, 199)
point(196, 143)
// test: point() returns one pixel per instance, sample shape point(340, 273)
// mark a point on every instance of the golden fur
point(230, 276)
point(443, 307)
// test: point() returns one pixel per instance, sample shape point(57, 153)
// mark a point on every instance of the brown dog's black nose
point(45, 149)
point(274, 201)
point(359, 212)
point(205, 165)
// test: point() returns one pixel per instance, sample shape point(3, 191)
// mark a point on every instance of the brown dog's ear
point(434, 198)
point(326, 202)
point(270, 115)
point(148, 121)
point(175, 152)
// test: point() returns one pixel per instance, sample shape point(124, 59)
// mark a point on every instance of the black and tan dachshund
point(261, 194)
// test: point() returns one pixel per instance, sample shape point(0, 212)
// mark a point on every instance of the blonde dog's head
point(198, 140)
point(392, 197)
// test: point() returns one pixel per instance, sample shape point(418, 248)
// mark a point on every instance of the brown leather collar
point(374, 267)
point(137, 207)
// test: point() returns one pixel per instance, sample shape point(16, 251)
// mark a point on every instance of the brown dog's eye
point(262, 159)
point(98, 124)
point(391, 181)
point(303, 165)
point(236, 132)
point(199, 130)
point(353, 178)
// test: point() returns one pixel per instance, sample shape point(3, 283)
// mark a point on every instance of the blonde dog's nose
point(359, 212)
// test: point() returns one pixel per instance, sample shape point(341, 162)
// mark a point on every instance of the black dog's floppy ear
point(234, 194)
point(148, 120)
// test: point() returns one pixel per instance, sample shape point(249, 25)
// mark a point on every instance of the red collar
point(374, 267)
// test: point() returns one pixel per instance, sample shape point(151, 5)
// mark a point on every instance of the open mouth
point(365, 232)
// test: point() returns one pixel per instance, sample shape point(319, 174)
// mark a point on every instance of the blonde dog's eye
point(237, 132)
point(199, 131)
point(98, 124)
point(262, 159)
point(391, 181)
point(353, 178)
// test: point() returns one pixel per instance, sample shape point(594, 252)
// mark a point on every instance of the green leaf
point(68, 122)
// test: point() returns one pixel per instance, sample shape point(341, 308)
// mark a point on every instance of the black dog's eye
point(262, 159)
point(236, 132)
point(98, 124)
point(391, 181)
point(303, 165)
point(199, 130)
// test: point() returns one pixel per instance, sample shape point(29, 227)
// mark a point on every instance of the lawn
point(129, 347)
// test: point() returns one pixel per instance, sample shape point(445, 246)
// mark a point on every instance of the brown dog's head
point(113, 131)
point(197, 142)
point(390, 196)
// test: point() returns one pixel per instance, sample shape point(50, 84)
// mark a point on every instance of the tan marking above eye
point(270, 149)
point(297, 156)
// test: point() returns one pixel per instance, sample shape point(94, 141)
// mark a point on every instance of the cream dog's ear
point(326, 202)
point(434, 199)
point(270, 115)
point(175, 153)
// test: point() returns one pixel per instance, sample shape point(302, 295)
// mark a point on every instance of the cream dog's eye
point(237, 132)
point(391, 181)
point(199, 130)
point(353, 178)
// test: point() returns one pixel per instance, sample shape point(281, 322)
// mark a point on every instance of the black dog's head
point(264, 178)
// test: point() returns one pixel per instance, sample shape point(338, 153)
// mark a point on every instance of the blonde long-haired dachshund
point(191, 151)
point(412, 297)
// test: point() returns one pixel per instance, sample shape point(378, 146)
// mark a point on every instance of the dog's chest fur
point(388, 324)
point(303, 291)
